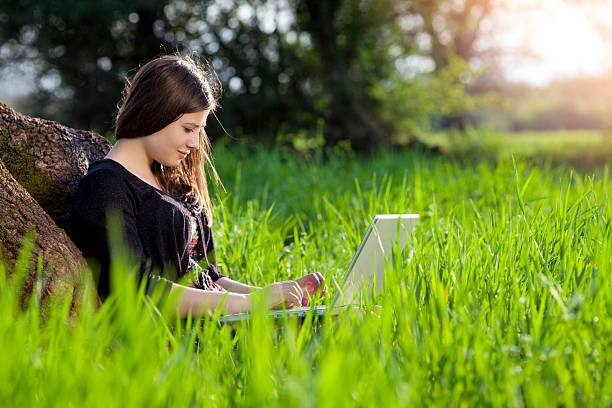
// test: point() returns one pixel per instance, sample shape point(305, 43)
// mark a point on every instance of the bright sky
point(565, 39)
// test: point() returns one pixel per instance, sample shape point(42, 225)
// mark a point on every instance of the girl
point(155, 178)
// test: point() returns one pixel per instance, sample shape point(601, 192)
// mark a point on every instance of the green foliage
point(505, 302)
point(286, 66)
point(82, 50)
point(417, 104)
point(316, 67)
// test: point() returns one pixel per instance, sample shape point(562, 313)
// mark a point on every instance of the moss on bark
point(54, 200)
point(8, 247)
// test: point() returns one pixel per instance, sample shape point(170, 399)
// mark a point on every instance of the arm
point(198, 302)
point(234, 286)
point(309, 284)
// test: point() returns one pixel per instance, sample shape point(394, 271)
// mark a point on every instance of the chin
point(171, 164)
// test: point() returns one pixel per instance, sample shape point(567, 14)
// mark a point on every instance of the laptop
point(366, 272)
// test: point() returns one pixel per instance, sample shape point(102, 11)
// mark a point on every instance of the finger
point(317, 277)
point(292, 300)
point(287, 293)
point(322, 286)
point(319, 281)
point(320, 276)
point(313, 283)
point(301, 293)
point(310, 283)
point(304, 299)
point(295, 288)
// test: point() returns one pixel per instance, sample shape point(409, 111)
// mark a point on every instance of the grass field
point(580, 148)
point(506, 302)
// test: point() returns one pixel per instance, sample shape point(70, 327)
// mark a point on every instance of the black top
point(157, 226)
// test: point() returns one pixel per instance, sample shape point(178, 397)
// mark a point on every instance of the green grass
point(507, 300)
point(580, 148)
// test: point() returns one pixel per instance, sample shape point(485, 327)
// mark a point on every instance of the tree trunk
point(63, 272)
point(48, 159)
point(41, 163)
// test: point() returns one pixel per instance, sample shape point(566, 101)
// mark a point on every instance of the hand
point(310, 285)
point(287, 293)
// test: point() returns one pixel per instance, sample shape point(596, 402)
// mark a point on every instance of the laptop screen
point(367, 269)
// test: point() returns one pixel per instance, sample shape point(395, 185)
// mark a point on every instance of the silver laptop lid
point(368, 265)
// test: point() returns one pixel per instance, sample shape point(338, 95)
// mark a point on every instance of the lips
point(183, 154)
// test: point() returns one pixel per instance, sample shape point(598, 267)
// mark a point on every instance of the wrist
point(246, 303)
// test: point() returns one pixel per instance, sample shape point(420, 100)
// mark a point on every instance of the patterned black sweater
point(157, 227)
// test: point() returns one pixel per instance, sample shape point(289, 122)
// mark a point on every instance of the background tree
point(450, 33)
point(300, 64)
point(82, 50)
point(303, 70)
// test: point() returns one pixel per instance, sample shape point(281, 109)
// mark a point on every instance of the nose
point(194, 142)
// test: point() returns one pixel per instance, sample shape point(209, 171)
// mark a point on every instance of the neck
point(131, 154)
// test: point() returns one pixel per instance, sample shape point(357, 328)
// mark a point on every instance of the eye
point(187, 130)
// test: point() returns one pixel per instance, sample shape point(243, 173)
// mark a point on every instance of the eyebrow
point(194, 124)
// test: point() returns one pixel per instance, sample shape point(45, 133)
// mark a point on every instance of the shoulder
point(104, 172)
point(105, 183)
point(103, 177)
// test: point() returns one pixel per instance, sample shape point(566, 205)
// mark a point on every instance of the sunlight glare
point(556, 39)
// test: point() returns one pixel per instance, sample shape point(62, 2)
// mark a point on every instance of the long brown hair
point(160, 93)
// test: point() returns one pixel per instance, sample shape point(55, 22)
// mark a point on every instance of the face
point(173, 143)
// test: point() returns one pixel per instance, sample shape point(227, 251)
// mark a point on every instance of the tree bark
point(48, 159)
point(64, 273)
point(41, 163)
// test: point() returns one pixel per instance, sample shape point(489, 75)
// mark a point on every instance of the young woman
point(154, 177)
